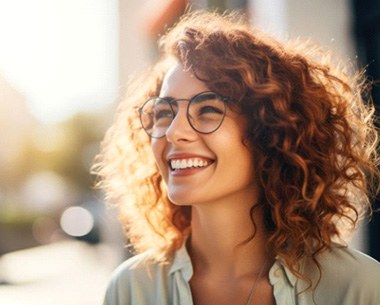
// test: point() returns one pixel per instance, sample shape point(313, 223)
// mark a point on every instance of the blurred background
point(63, 68)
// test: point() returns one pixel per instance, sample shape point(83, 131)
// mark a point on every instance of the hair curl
point(312, 138)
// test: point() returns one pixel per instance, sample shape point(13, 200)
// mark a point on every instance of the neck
point(221, 240)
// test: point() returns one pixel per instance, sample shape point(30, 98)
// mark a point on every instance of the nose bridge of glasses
point(179, 122)
point(174, 102)
point(178, 107)
point(180, 110)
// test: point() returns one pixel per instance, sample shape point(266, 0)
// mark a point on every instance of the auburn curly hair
point(311, 132)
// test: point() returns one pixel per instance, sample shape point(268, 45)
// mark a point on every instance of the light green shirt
point(348, 277)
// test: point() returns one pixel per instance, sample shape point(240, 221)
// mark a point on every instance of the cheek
point(238, 144)
point(158, 147)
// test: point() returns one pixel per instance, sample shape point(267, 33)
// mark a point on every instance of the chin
point(178, 200)
point(181, 199)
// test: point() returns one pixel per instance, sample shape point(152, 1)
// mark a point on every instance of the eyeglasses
point(205, 113)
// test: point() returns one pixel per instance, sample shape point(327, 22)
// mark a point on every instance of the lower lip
point(187, 171)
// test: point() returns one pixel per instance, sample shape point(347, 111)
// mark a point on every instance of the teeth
point(183, 164)
point(187, 163)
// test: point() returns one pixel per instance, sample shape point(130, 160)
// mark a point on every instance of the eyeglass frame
point(224, 99)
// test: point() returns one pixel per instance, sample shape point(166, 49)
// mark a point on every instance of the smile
point(179, 164)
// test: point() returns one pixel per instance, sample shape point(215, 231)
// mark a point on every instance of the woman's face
point(218, 166)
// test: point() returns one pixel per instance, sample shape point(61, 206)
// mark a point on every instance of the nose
point(180, 128)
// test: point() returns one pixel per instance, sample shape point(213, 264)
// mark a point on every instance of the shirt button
point(278, 273)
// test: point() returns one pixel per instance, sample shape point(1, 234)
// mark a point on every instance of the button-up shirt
point(347, 277)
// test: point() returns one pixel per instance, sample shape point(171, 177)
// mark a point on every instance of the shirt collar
point(182, 262)
point(279, 272)
point(291, 277)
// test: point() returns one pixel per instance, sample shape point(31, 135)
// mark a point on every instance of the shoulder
point(345, 274)
point(138, 279)
point(141, 267)
point(345, 263)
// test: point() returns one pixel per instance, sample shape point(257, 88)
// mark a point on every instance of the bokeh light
point(77, 221)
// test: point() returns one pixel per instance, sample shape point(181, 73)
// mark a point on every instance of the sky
point(62, 55)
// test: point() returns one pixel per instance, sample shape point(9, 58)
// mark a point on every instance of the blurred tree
point(217, 4)
point(66, 148)
point(52, 171)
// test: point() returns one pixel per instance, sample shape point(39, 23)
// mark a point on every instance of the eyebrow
point(167, 99)
point(200, 98)
point(204, 96)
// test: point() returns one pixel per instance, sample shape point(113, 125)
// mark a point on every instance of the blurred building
point(15, 123)
point(366, 15)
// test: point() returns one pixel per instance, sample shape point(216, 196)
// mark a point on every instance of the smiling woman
point(203, 133)
point(238, 165)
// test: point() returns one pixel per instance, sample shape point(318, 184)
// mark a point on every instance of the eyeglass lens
point(205, 113)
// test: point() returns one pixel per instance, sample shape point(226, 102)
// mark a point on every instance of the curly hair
point(311, 129)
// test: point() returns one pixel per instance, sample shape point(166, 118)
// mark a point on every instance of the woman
point(238, 165)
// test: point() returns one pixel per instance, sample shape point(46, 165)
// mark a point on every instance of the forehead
point(180, 83)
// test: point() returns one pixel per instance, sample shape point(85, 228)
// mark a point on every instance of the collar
point(182, 262)
point(280, 271)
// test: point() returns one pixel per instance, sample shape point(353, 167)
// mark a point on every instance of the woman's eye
point(162, 114)
point(210, 109)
